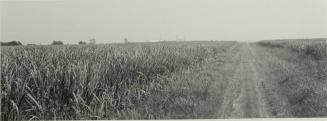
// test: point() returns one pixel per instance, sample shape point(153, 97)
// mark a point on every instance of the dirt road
point(243, 97)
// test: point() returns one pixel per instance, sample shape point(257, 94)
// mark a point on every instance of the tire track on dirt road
point(243, 98)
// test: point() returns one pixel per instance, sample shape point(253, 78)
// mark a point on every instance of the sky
point(110, 21)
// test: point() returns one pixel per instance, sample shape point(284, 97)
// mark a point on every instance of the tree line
point(91, 41)
point(17, 43)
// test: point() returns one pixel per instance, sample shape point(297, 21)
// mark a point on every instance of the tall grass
point(316, 48)
point(98, 81)
point(299, 72)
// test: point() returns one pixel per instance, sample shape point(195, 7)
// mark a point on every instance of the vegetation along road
point(165, 80)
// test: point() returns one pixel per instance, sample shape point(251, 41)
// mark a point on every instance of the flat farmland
point(165, 80)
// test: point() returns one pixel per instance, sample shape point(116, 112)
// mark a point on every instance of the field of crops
point(165, 80)
point(297, 69)
point(118, 81)
point(315, 48)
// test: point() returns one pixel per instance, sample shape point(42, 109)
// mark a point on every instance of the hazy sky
point(139, 20)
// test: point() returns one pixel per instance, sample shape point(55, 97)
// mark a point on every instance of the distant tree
point(82, 43)
point(126, 40)
point(92, 41)
point(57, 43)
point(12, 43)
point(31, 44)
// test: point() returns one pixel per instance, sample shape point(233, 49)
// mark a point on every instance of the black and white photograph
point(163, 59)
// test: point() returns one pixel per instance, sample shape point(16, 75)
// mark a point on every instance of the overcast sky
point(140, 20)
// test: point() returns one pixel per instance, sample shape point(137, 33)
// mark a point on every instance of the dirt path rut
point(243, 98)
